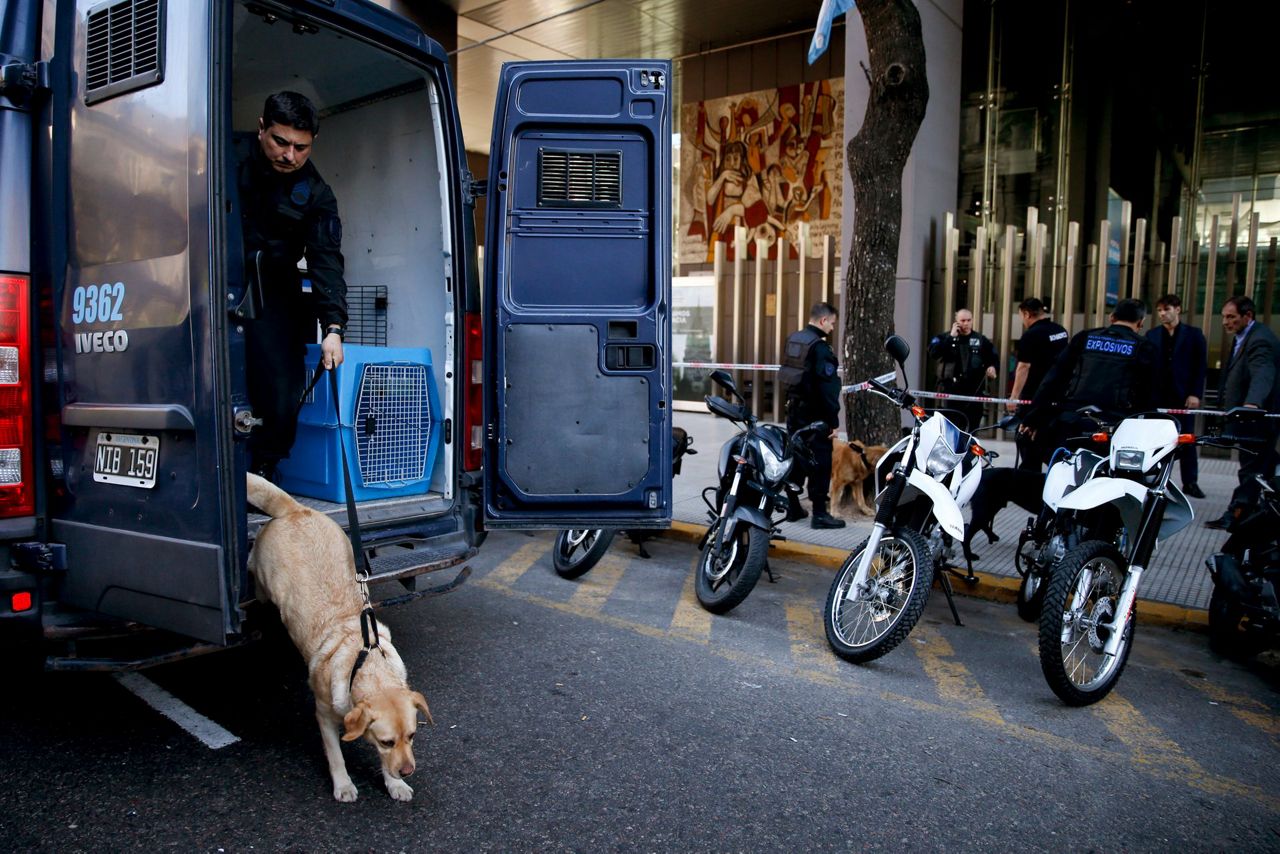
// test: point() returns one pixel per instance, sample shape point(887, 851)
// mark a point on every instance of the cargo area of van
point(381, 147)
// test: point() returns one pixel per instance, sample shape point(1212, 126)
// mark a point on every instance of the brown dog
point(302, 562)
point(853, 465)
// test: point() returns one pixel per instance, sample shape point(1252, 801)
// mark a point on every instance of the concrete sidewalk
point(1177, 577)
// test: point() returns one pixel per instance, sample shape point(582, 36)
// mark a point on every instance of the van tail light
point(17, 445)
point(473, 394)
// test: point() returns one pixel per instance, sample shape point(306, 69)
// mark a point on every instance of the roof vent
point(124, 48)
point(591, 179)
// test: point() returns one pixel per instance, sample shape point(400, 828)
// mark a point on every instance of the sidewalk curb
point(990, 587)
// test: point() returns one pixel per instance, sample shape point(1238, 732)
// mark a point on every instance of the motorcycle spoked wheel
point(1226, 635)
point(577, 550)
point(870, 624)
point(726, 576)
point(1082, 595)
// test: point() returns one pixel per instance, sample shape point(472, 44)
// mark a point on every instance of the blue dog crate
point(390, 426)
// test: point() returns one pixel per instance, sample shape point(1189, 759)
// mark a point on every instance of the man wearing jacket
point(967, 360)
point(1180, 379)
point(811, 377)
point(288, 212)
point(1250, 378)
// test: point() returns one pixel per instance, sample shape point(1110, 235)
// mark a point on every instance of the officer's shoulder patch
point(301, 193)
point(828, 369)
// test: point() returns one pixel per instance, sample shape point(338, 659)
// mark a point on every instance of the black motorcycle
point(753, 487)
point(577, 550)
point(1244, 611)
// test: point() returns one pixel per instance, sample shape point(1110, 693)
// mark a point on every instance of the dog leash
point(368, 623)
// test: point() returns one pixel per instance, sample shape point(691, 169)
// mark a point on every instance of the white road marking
point(213, 736)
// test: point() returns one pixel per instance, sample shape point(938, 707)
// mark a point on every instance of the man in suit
point(1251, 378)
point(1180, 379)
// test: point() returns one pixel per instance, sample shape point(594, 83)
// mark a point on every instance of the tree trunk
point(875, 157)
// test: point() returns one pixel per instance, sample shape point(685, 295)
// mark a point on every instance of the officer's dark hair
point(1243, 305)
point(1169, 301)
point(821, 310)
point(291, 109)
point(1032, 305)
point(1130, 311)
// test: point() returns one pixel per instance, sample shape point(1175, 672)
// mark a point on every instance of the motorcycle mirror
point(897, 348)
point(722, 378)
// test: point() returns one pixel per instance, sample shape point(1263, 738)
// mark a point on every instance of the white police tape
point(928, 395)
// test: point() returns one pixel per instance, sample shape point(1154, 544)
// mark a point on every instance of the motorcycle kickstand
point(769, 570)
point(946, 589)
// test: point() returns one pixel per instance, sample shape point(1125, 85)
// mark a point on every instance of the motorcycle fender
point(752, 516)
point(1100, 491)
point(945, 509)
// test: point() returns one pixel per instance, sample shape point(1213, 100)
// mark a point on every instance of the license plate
point(127, 459)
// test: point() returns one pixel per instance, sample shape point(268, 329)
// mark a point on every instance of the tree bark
point(875, 157)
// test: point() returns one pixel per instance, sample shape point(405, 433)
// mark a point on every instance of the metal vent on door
point(590, 179)
point(124, 47)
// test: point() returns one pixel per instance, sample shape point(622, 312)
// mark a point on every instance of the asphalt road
point(613, 713)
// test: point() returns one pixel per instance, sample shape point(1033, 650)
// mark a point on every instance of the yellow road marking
point(1150, 746)
point(595, 588)
point(952, 679)
point(691, 620)
point(845, 679)
point(509, 571)
point(809, 646)
point(1252, 711)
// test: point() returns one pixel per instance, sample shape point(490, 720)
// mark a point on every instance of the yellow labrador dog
point(302, 562)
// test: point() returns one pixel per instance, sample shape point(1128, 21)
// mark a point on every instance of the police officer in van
point(1113, 368)
point(967, 360)
point(810, 376)
point(288, 213)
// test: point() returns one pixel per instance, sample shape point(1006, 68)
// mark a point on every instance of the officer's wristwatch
point(335, 329)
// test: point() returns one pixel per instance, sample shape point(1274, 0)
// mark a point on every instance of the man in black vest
point(968, 360)
point(810, 376)
point(1112, 367)
point(288, 212)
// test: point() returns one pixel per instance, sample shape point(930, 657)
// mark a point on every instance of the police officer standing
point(1041, 344)
point(1113, 368)
point(811, 378)
point(288, 213)
point(967, 359)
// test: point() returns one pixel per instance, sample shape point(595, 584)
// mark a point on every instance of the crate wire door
point(393, 423)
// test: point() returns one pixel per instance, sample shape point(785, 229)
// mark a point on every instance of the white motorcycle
point(1131, 506)
point(924, 483)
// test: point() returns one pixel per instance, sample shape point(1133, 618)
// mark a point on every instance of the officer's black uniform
point(284, 217)
point(810, 374)
point(1040, 346)
point(1112, 368)
point(964, 362)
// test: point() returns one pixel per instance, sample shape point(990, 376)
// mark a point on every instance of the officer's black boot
point(823, 519)
point(795, 510)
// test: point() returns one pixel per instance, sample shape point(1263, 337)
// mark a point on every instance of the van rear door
point(577, 294)
point(148, 507)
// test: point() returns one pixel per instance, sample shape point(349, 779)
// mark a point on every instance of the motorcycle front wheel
point(726, 575)
point(576, 551)
point(1079, 608)
point(874, 620)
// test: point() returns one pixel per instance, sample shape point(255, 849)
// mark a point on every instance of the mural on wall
point(767, 160)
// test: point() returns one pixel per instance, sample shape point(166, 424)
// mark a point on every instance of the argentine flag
point(831, 9)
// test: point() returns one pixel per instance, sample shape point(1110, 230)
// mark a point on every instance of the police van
point(538, 398)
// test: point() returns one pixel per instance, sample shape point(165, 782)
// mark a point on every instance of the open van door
point(147, 509)
point(577, 297)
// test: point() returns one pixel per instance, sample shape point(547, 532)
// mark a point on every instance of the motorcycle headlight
point(941, 459)
point(775, 468)
point(1130, 460)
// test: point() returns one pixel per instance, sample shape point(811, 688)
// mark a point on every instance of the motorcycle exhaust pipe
point(1226, 573)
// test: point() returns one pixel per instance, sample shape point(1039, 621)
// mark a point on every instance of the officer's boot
point(823, 519)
